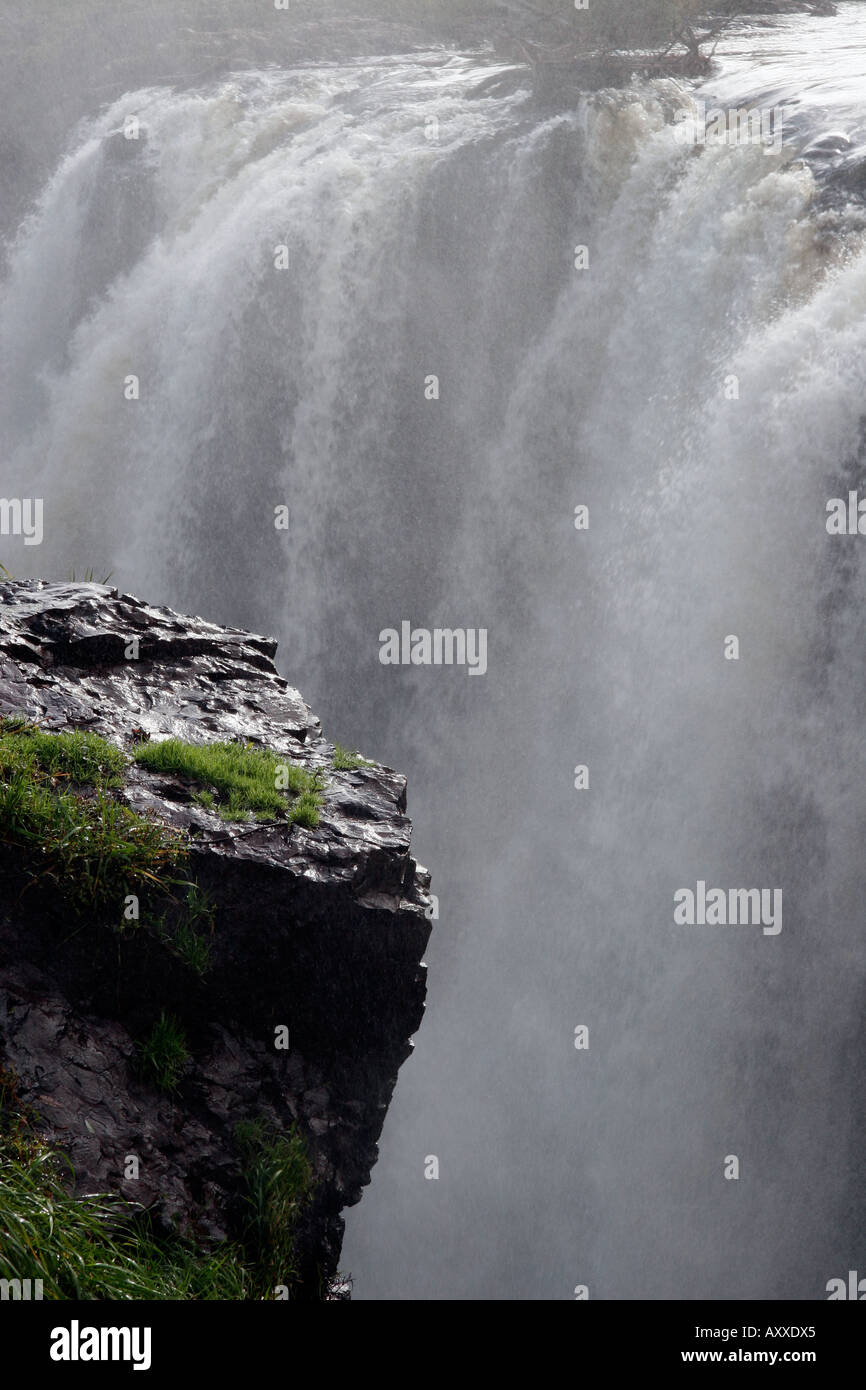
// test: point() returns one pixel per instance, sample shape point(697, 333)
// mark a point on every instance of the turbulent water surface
point(700, 388)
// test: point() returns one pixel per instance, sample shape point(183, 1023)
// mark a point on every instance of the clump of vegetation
point(93, 851)
point(76, 757)
point(95, 1247)
point(102, 1247)
point(163, 1054)
point(90, 1248)
point(186, 939)
point(280, 1181)
point(191, 948)
point(55, 806)
point(15, 1117)
point(346, 761)
point(240, 779)
point(13, 723)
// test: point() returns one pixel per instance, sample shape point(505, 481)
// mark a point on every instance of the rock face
point(321, 930)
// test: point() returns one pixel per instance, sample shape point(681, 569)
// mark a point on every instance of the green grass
point(14, 723)
point(191, 948)
point(241, 779)
point(92, 851)
point(163, 1054)
point(199, 908)
point(186, 939)
point(81, 758)
point(97, 1247)
point(62, 828)
point(102, 1247)
point(345, 761)
point(280, 1181)
point(90, 847)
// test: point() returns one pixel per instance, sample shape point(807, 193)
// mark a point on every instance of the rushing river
point(244, 307)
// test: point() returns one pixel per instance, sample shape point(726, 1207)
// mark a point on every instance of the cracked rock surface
point(321, 930)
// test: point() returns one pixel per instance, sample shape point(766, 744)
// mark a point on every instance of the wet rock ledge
point(320, 930)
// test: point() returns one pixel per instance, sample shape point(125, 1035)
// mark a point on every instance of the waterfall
point(236, 298)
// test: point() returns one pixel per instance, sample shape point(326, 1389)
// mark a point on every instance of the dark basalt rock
point(322, 930)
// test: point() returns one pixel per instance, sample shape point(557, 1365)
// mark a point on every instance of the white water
point(410, 257)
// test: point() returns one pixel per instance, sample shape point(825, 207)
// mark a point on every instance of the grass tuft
point(54, 805)
point(163, 1054)
point(239, 779)
point(98, 1247)
point(346, 761)
point(101, 1247)
point(185, 939)
point(77, 757)
point(280, 1181)
point(94, 851)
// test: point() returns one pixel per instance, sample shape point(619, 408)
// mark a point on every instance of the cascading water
point(283, 261)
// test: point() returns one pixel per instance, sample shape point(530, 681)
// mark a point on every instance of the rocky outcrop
point(320, 930)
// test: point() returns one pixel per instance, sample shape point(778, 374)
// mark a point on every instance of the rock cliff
point(319, 930)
